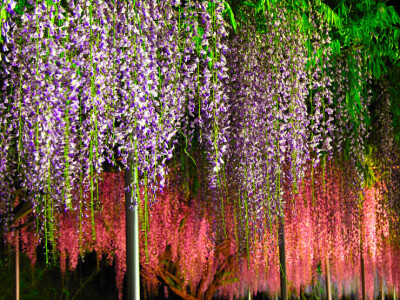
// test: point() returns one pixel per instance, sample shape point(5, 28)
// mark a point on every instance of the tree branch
point(179, 292)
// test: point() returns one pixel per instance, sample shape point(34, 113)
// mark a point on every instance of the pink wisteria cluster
point(179, 244)
point(323, 230)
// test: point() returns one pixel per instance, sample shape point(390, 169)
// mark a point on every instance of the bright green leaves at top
point(335, 47)
point(377, 66)
point(331, 17)
point(260, 6)
point(370, 25)
point(248, 4)
point(303, 23)
point(228, 10)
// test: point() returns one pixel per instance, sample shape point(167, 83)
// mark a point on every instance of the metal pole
point(363, 297)
point(362, 267)
point(132, 235)
point(328, 280)
point(17, 268)
point(282, 257)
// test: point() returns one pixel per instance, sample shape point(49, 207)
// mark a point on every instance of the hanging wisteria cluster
point(353, 96)
point(95, 85)
point(321, 95)
point(73, 106)
point(102, 82)
point(280, 106)
point(268, 111)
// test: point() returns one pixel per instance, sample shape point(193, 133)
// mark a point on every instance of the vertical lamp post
point(328, 280)
point(282, 257)
point(132, 234)
point(17, 267)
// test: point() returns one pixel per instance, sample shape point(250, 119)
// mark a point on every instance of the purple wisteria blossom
point(268, 114)
point(95, 82)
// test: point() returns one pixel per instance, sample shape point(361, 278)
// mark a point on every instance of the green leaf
point(347, 97)
point(305, 19)
point(243, 16)
point(396, 34)
point(248, 4)
point(210, 5)
point(231, 15)
point(260, 6)
point(3, 14)
point(337, 46)
point(356, 97)
point(210, 54)
point(394, 16)
point(309, 47)
point(377, 69)
point(197, 39)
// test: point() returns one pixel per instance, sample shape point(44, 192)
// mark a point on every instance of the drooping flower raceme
point(269, 141)
point(98, 81)
point(353, 96)
point(321, 96)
